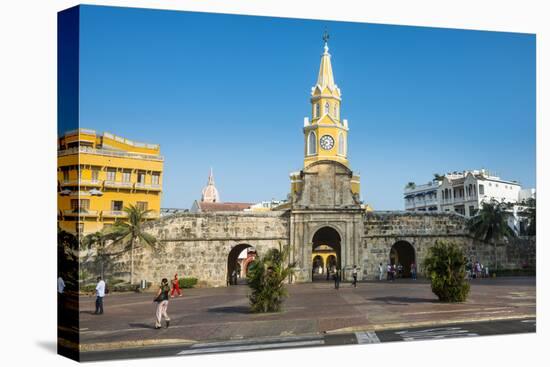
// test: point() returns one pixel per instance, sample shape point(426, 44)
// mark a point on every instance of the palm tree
point(98, 240)
point(410, 185)
point(491, 224)
point(438, 177)
point(130, 231)
point(266, 278)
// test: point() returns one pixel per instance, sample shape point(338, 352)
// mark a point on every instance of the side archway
point(402, 252)
point(238, 260)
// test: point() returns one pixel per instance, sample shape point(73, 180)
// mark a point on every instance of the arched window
point(341, 144)
point(316, 110)
point(311, 143)
point(327, 108)
point(336, 111)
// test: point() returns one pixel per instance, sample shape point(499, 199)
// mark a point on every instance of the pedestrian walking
point(99, 294)
point(161, 299)
point(380, 272)
point(354, 275)
point(393, 272)
point(399, 270)
point(328, 273)
point(234, 276)
point(487, 271)
point(337, 279)
point(175, 286)
point(388, 272)
point(413, 271)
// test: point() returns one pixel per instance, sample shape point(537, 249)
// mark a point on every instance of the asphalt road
point(366, 337)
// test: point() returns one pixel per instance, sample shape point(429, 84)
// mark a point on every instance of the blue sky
point(230, 92)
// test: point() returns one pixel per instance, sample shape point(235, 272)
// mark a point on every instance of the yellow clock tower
point(326, 134)
point(325, 144)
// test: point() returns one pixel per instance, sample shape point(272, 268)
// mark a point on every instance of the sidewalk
point(217, 314)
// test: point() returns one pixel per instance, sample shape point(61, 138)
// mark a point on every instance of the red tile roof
point(223, 207)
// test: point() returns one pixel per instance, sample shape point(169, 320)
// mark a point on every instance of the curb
point(406, 325)
point(130, 344)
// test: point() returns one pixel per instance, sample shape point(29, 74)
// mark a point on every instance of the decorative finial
point(211, 177)
point(326, 36)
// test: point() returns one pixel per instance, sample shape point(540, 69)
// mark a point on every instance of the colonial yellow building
point(325, 134)
point(100, 174)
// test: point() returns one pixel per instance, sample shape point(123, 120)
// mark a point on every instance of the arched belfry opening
point(238, 261)
point(326, 253)
point(402, 252)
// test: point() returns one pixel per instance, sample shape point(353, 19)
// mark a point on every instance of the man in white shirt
point(100, 293)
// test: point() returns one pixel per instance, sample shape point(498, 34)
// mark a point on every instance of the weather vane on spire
point(326, 36)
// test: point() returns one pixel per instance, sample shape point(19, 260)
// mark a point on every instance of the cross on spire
point(325, 38)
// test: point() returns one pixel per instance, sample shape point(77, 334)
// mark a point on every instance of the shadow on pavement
point(404, 300)
point(140, 325)
point(234, 309)
point(88, 312)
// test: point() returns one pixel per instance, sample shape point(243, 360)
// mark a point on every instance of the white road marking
point(436, 333)
point(530, 321)
point(208, 348)
point(368, 337)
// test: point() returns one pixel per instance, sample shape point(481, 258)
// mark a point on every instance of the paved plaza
point(312, 309)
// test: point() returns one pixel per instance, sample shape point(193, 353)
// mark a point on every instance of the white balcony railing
point(114, 214)
point(81, 183)
point(118, 184)
point(80, 213)
point(143, 186)
point(108, 153)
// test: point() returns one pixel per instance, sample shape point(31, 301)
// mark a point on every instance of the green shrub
point(266, 277)
point(187, 282)
point(87, 288)
point(445, 266)
point(124, 288)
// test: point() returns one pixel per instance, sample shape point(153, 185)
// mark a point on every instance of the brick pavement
point(315, 308)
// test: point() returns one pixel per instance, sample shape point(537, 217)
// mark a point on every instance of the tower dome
point(209, 192)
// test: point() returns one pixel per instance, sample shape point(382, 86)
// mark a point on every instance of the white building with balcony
point(422, 198)
point(463, 192)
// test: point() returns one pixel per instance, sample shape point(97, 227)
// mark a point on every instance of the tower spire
point(326, 77)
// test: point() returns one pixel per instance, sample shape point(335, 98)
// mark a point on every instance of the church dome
point(209, 192)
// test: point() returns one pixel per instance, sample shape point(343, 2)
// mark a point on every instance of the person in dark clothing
point(337, 279)
point(162, 297)
point(354, 275)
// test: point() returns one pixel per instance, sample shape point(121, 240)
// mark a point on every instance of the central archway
point(326, 253)
point(238, 260)
point(402, 252)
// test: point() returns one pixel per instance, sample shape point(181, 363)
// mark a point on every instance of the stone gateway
point(324, 220)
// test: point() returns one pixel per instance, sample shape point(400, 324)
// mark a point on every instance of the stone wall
point(422, 230)
point(198, 245)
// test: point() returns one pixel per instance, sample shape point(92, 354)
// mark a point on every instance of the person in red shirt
point(175, 286)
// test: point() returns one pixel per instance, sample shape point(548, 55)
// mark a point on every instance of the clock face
point(327, 142)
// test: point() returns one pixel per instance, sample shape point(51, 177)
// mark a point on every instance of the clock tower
point(326, 180)
point(325, 134)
